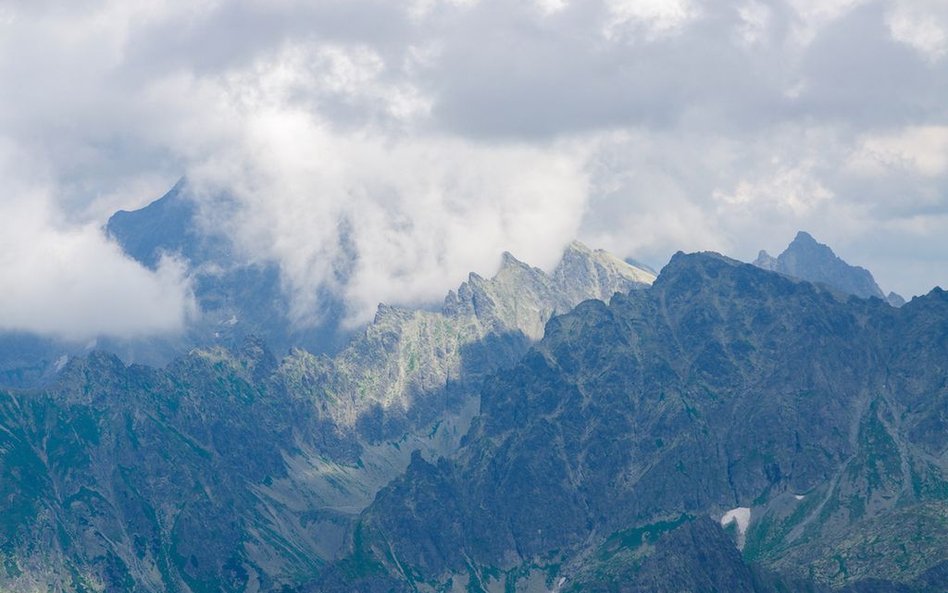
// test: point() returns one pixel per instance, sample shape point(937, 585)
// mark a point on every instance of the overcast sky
point(439, 133)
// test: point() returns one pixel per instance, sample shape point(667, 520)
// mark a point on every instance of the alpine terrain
point(775, 427)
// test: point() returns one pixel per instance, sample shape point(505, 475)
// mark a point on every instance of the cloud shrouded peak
point(382, 150)
point(69, 281)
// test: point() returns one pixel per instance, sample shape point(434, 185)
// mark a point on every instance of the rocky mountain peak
point(166, 225)
point(508, 261)
point(808, 259)
point(577, 255)
point(766, 261)
point(895, 299)
point(598, 272)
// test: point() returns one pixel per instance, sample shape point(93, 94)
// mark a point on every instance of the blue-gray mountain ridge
point(807, 259)
point(725, 429)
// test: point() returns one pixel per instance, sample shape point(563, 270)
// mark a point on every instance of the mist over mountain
point(236, 293)
point(237, 297)
point(234, 298)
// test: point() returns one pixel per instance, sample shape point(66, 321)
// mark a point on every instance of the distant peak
point(808, 259)
point(766, 261)
point(507, 260)
point(579, 247)
point(895, 299)
point(804, 237)
point(578, 254)
point(804, 242)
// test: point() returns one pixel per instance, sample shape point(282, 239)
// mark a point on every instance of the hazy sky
point(435, 134)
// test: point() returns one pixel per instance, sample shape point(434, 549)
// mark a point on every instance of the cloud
point(382, 150)
point(68, 281)
point(410, 215)
point(922, 25)
point(656, 17)
point(921, 149)
point(654, 194)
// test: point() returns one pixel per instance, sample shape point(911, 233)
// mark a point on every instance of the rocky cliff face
point(723, 391)
point(232, 471)
point(409, 364)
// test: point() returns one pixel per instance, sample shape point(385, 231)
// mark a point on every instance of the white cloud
point(754, 23)
point(420, 212)
point(68, 281)
point(654, 195)
point(420, 9)
point(791, 189)
point(919, 149)
point(922, 25)
point(653, 17)
point(549, 7)
point(813, 15)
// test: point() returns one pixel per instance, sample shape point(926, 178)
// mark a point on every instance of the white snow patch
point(741, 516)
point(798, 496)
point(61, 362)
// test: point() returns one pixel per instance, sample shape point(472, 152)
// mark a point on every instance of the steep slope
point(809, 260)
point(134, 477)
point(411, 380)
point(165, 226)
point(723, 390)
point(230, 471)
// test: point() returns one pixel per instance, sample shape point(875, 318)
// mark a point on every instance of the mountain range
point(618, 453)
point(719, 426)
point(231, 470)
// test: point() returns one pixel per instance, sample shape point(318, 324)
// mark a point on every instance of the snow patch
point(798, 496)
point(61, 362)
point(741, 516)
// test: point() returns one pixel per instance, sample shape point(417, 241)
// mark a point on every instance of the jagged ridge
point(721, 386)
